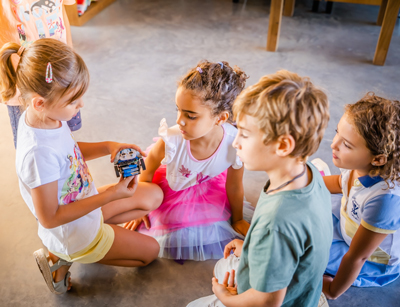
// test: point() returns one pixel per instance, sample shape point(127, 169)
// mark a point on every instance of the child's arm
point(364, 243)
point(152, 162)
point(333, 183)
point(249, 298)
point(50, 214)
point(92, 151)
point(235, 193)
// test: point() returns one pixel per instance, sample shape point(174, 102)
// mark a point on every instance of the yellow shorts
point(96, 250)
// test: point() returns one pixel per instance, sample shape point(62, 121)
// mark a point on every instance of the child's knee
point(154, 249)
point(157, 198)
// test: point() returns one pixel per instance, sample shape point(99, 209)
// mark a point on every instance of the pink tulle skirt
point(192, 223)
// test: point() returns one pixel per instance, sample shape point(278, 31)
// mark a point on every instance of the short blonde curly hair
point(286, 104)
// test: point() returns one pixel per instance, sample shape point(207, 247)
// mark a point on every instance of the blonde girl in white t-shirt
point(76, 221)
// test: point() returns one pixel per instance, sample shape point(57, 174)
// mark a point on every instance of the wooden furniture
point(94, 8)
point(329, 4)
point(388, 23)
point(388, 13)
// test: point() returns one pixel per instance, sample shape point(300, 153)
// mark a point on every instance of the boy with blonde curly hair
point(281, 121)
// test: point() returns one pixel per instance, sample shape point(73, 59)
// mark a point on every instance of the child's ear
point(222, 118)
point(38, 103)
point(285, 145)
point(379, 160)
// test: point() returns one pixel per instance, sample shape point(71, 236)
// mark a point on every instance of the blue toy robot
point(128, 162)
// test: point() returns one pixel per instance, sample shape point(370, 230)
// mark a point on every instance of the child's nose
point(179, 120)
point(335, 142)
point(235, 143)
point(80, 103)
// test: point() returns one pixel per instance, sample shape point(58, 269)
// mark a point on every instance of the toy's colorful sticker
point(40, 28)
point(79, 184)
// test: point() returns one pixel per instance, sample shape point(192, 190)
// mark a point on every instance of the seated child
point(281, 121)
point(200, 175)
point(366, 243)
point(76, 221)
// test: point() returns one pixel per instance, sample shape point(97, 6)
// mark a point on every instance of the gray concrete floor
point(136, 51)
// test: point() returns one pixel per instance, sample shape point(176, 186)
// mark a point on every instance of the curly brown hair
point(215, 84)
point(286, 103)
point(377, 120)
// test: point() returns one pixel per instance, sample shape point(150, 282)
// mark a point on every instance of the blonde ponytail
point(8, 75)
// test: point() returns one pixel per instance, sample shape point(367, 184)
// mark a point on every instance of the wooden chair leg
point(288, 8)
point(389, 21)
point(275, 18)
point(315, 6)
point(381, 12)
point(329, 6)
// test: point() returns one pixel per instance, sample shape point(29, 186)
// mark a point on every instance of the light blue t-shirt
point(288, 243)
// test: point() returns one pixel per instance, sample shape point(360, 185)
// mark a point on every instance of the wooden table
point(387, 18)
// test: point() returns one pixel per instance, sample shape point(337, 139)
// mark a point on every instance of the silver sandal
point(47, 272)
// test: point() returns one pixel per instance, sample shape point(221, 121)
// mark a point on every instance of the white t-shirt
point(47, 155)
point(183, 170)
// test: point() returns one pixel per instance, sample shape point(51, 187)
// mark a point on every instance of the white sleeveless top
point(183, 170)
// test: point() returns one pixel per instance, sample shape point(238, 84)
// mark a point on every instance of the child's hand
point(241, 227)
point(134, 224)
point(327, 281)
point(114, 148)
point(125, 188)
point(226, 288)
point(235, 245)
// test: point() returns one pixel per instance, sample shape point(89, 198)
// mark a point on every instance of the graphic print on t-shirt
point(355, 208)
point(39, 19)
point(79, 184)
point(46, 6)
point(185, 172)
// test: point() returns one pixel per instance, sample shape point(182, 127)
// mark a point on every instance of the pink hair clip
point(199, 69)
point(49, 73)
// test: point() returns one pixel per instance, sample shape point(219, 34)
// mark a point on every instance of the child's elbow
point(48, 223)
point(355, 258)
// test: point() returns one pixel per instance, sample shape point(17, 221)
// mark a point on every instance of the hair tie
point(21, 51)
point(199, 70)
point(49, 73)
point(222, 65)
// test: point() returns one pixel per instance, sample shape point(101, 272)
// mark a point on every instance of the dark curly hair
point(377, 120)
point(217, 85)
